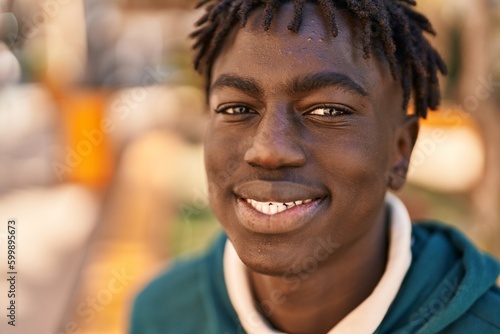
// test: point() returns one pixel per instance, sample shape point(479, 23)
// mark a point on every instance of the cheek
point(363, 165)
point(356, 160)
point(354, 168)
point(356, 179)
point(222, 155)
point(224, 151)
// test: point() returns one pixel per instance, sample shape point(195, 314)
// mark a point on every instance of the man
point(308, 130)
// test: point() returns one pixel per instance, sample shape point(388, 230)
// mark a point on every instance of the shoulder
point(482, 317)
point(450, 286)
point(488, 307)
point(173, 281)
point(432, 233)
point(444, 248)
point(174, 299)
point(169, 295)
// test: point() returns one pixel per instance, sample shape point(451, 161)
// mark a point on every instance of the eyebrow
point(245, 85)
point(313, 82)
point(301, 85)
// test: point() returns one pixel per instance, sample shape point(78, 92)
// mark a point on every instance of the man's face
point(306, 122)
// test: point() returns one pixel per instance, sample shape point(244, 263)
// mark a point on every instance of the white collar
point(367, 316)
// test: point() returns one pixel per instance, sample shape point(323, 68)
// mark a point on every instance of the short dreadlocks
point(391, 25)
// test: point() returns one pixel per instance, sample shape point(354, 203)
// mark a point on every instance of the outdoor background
point(101, 158)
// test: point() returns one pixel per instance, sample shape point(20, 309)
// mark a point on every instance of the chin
point(268, 267)
point(268, 258)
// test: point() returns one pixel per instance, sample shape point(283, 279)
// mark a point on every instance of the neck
point(317, 301)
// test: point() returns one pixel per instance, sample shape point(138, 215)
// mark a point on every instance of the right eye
point(234, 110)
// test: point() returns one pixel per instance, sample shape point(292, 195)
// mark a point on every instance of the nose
point(273, 146)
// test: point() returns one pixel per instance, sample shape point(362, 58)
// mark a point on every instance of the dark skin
point(307, 109)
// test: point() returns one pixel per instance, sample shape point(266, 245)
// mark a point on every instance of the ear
point(405, 139)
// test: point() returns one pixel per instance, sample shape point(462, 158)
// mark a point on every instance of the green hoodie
point(449, 288)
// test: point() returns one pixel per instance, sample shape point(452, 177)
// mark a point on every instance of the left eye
point(329, 111)
point(235, 110)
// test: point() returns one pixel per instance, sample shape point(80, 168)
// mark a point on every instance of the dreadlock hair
point(390, 25)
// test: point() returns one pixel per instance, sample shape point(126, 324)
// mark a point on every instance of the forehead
point(279, 54)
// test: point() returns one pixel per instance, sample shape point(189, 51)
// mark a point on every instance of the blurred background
point(101, 158)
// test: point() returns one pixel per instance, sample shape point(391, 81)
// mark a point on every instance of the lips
point(277, 207)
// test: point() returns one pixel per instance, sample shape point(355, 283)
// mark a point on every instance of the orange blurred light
point(87, 156)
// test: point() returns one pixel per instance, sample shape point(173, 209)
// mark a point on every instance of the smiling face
point(302, 135)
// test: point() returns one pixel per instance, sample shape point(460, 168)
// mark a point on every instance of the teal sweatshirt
point(449, 288)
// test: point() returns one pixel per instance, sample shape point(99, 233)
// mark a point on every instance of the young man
point(308, 130)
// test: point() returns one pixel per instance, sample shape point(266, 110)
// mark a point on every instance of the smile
point(275, 207)
point(272, 208)
point(272, 217)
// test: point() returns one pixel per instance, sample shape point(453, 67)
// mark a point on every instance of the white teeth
point(272, 208)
